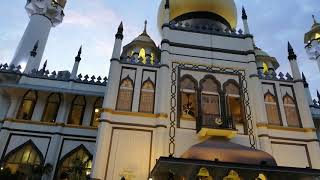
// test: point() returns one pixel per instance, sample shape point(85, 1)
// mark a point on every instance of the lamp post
point(312, 42)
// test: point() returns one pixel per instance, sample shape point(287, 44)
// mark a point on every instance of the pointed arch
point(147, 96)
point(272, 109)
point(51, 108)
point(27, 105)
point(125, 94)
point(96, 112)
point(234, 105)
point(77, 162)
point(188, 100)
point(77, 110)
point(24, 157)
point(291, 111)
point(210, 98)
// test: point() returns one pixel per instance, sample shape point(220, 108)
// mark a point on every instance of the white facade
point(130, 137)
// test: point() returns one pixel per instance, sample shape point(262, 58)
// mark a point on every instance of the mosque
point(207, 104)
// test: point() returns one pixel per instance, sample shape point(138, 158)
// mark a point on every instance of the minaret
point(76, 64)
point(110, 98)
point(245, 21)
point(44, 15)
point(293, 63)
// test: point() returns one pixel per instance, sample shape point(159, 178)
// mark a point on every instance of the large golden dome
point(224, 8)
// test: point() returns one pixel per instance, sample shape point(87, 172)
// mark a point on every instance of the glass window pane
point(76, 115)
point(291, 112)
point(188, 106)
point(210, 106)
point(234, 107)
point(125, 96)
point(272, 110)
point(51, 112)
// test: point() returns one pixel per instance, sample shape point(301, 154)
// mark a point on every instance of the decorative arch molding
point(209, 76)
point(269, 93)
point(20, 147)
point(231, 81)
point(125, 79)
point(70, 153)
point(188, 76)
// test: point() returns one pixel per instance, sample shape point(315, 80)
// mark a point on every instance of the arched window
point(76, 164)
point(27, 105)
point(272, 109)
point(77, 110)
point(142, 55)
point(125, 95)
point(291, 111)
point(147, 93)
point(210, 101)
point(23, 159)
point(52, 107)
point(234, 105)
point(96, 112)
point(188, 90)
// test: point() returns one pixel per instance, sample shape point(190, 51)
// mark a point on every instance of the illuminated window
point(23, 159)
point(76, 164)
point(146, 104)
point(125, 95)
point(27, 105)
point(77, 110)
point(188, 98)
point(265, 67)
point(142, 55)
point(210, 102)
point(51, 108)
point(234, 104)
point(96, 112)
point(291, 111)
point(272, 109)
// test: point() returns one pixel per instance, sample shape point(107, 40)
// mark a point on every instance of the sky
point(93, 24)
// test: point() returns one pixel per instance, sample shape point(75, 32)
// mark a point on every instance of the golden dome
point(224, 8)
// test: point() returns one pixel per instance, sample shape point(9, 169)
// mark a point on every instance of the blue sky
point(93, 23)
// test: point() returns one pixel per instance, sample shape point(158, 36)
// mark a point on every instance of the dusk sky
point(93, 23)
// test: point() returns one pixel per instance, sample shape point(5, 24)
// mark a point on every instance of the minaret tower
point(44, 15)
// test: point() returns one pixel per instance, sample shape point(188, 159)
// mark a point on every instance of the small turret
point(76, 64)
point(293, 63)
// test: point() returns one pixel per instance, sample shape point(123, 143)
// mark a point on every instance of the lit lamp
point(312, 41)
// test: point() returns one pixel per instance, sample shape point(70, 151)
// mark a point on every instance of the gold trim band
point(268, 126)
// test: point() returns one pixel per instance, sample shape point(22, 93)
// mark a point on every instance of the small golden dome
point(224, 8)
point(314, 33)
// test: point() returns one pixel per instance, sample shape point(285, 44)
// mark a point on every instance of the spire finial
point(44, 65)
point(119, 34)
point(306, 85)
point(244, 13)
point(314, 19)
point(292, 55)
point(78, 57)
point(145, 26)
point(33, 53)
point(167, 5)
point(318, 95)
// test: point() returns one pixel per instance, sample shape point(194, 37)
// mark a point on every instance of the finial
point(306, 85)
point(314, 19)
point(119, 34)
point(167, 5)
point(292, 55)
point(78, 57)
point(244, 14)
point(44, 65)
point(33, 53)
point(318, 95)
point(145, 26)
